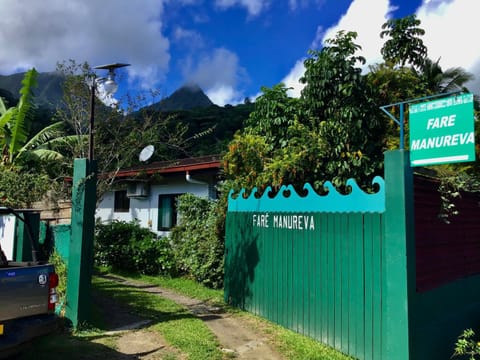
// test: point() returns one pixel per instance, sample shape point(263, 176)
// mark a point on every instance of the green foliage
point(333, 132)
point(274, 112)
point(435, 80)
point(333, 82)
point(21, 189)
point(336, 131)
point(61, 270)
point(129, 247)
point(20, 115)
point(197, 246)
point(221, 123)
point(467, 345)
point(245, 159)
point(27, 160)
point(404, 44)
point(15, 121)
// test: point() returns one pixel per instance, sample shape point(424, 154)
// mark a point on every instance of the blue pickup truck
point(27, 299)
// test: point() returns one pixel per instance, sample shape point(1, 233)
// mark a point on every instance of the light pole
point(80, 257)
point(110, 87)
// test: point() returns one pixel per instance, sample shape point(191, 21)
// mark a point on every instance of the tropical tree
point(332, 132)
point(274, 112)
point(435, 80)
point(342, 110)
point(14, 121)
point(404, 44)
point(24, 173)
point(17, 146)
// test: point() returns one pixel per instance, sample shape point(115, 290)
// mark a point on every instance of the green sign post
point(442, 131)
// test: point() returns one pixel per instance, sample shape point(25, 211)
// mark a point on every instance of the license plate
point(1, 329)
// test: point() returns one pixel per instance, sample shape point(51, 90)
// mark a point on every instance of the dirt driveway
point(237, 338)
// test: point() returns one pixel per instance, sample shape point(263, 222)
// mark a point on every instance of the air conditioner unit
point(138, 189)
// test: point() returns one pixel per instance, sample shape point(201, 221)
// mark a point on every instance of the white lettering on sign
point(443, 141)
point(260, 220)
point(297, 222)
point(441, 122)
point(289, 222)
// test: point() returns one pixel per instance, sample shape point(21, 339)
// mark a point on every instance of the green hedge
point(198, 248)
point(126, 246)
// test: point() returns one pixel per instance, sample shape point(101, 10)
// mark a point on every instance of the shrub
point(13, 185)
point(198, 250)
point(467, 345)
point(61, 270)
point(128, 247)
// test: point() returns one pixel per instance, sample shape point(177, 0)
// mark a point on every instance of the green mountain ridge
point(189, 105)
point(49, 93)
point(187, 97)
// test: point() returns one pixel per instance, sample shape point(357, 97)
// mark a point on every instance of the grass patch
point(293, 345)
point(186, 287)
point(183, 286)
point(177, 325)
point(182, 330)
point(289, 343)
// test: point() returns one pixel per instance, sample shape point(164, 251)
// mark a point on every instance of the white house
point(148, 192)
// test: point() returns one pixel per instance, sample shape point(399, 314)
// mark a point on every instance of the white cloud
point(295, 4)
point(224, 94)
point(41, 33)
point(191, 39)
point(449, 27)
point(254, 7)
point(218, 74)
point(353, 20)
point(449, 32)
point(292, 79)
point(367, 21)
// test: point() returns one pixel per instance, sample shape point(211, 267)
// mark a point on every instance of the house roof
point(172, 166)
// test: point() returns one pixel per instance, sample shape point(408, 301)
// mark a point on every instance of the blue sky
point(231, 48)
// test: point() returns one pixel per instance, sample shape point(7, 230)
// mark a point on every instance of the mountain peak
point(188, 96)
point(191, 86)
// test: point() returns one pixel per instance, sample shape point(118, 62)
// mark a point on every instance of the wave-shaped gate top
point(288, 200)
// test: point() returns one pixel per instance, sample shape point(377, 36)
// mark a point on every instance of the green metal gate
point(312, 264)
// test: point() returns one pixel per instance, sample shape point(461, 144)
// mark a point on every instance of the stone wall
point(55, 213)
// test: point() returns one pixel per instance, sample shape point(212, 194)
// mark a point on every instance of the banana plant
point(15, 145)
point(15, 121)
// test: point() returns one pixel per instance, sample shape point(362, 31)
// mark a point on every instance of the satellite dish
point(146, 153)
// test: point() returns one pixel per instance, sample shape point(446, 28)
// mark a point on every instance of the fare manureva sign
point(442, 131)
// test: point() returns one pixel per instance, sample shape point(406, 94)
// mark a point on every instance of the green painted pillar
point(80, 258)
point(398, 255)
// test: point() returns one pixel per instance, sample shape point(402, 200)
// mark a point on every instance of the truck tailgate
point(28, 285)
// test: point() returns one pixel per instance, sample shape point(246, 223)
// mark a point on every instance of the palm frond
point(6, 117)
point(47, 154)
point(21, 117)
point(455, 78)
point(46, 134)
point(3, 108)
point(66, 141)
